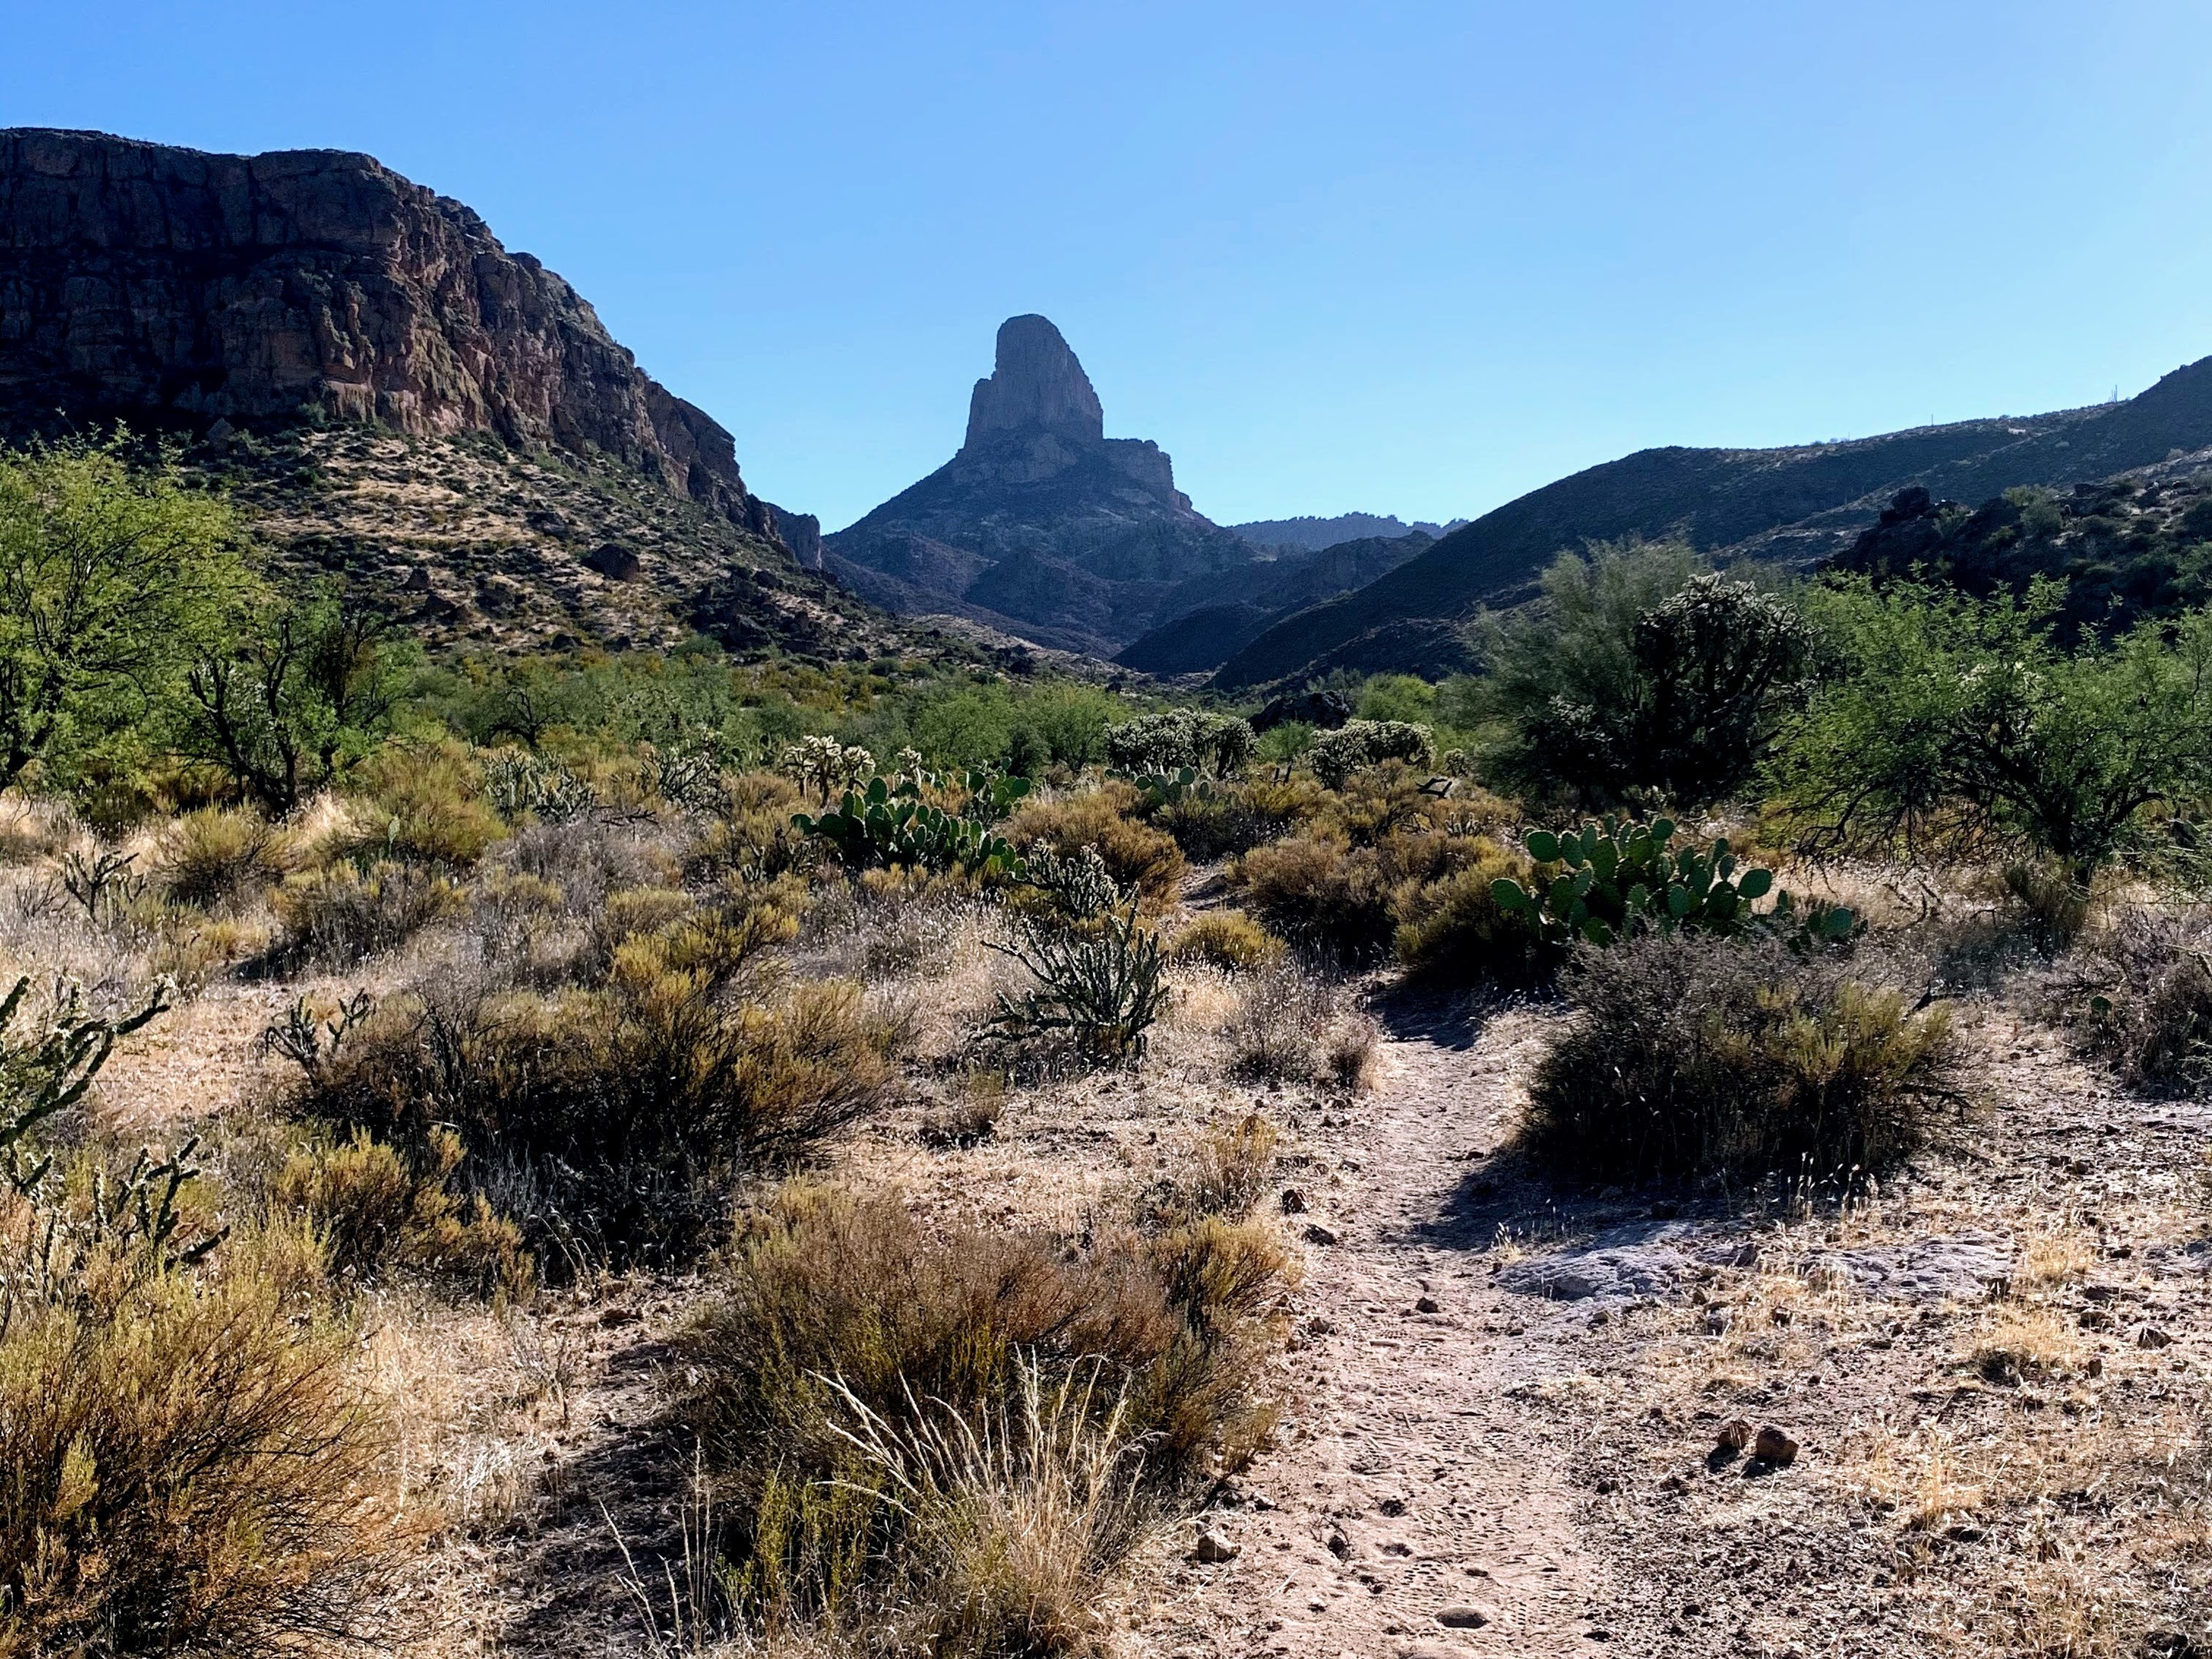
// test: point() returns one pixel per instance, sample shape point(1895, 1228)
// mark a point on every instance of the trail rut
point(1411, 1491)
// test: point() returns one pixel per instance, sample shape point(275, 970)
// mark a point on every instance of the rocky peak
point(1037, 385)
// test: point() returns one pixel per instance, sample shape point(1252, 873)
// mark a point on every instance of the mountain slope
point(1793, 504)
point(1310, 534)
point(391, 394)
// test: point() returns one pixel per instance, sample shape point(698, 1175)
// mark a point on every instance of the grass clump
point(889, 1410)
point(341, 915)
point(1691, 1057)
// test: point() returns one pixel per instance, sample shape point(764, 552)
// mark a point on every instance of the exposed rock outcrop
point(1041, 525)
point(175, 287)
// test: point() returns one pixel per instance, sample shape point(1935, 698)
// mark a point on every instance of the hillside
point(1310, 534)
point(392, 394)
point(1792, 505)
point(1204, 620)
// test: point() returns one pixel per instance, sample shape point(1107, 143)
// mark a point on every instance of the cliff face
point(174, 287)
point(1041, 525)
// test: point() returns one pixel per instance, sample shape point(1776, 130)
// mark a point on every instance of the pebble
point(1464, 1615)
point(1318, 1234)
point(1213, 1547)
point(2149, 1336)
point(1733, 1435)
point(1427, 1304)
point(1294, 1201)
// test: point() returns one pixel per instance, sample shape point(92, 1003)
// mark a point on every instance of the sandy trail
point(1411, 1489)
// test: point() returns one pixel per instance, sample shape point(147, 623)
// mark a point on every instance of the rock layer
point(176, 288)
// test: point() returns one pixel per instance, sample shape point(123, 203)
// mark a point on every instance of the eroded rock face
point(1035, 384)
point(175, 287)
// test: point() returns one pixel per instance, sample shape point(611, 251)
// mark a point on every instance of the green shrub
point(1217, 745)
point(1335, 901)
point(1227, 939)
point(1689, 1055)
point(1639, 672)
point(1335, 756)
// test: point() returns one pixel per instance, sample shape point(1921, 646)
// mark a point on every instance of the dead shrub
point(1689, 1057)
point(2137, 991)
point(218, 853)
point(840, 1324)
point(1227, 939)
point(1139, 858)
point(1280, 1027)
point(381, 1219)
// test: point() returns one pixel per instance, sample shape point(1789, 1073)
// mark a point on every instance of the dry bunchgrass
point(905, 1427)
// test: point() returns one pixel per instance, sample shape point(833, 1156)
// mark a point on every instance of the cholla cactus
point(825, 765)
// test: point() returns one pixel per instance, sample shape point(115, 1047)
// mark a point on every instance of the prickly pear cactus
point(1608, 880)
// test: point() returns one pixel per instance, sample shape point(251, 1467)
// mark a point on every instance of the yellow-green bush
point(1228, 940)
point(1453, 927)
point(1234, 818)
point(184, 1458)
point(1140, 858)
point(421, 803)
point(1689, 1055)
point(628, 1108)
point(380, 1219)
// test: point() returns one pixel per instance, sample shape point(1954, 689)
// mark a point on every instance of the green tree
point(1639, 672)
point(108, 573)
point(277, 696)
point(1957, 728)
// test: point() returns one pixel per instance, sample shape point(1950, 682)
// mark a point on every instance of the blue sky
point(1410, 257)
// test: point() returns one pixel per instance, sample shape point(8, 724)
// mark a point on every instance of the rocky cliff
point(1041, 525)
point(178, 289)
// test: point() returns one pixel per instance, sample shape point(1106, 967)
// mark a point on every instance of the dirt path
point(1412, 1492)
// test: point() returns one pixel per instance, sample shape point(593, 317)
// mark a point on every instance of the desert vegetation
point(891, 1093)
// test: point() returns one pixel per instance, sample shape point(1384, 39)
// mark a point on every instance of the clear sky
point(1404, 257)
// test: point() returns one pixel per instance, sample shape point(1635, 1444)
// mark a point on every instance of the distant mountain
point(1208, 618)
point(1792, 506)
point(1042, 525)
point(1313, 534)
